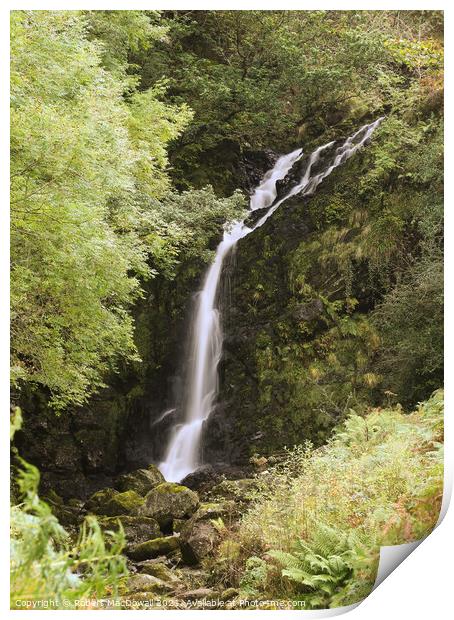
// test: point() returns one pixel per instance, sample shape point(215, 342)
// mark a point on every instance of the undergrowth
point(50, 569)
point(315, 530)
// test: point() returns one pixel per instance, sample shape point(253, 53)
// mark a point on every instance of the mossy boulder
point(212, 510)
point(67, 514)
point(149, 549)
point(111, 503)
point(98, 500)
point(169, 501)
point(161, 571)
point(148, 583)
point(198, 539)
point(137, 529)
point(178, 525)
point(141, 480)
point(127, 503)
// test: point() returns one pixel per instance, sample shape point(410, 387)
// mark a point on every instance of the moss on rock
point(161, 571)
point(169, 501)
point(111, 503)
point(98, 500)
point(137, 529)
point(127, 503)
point(154, 548)
point(148, 583)
point(141, 480)
point(210, 510)
point(198, 540)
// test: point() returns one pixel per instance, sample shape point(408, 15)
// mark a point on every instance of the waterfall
point(206, 339)
point(182, 455)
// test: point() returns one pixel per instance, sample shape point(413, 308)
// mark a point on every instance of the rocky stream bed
point(172, 533)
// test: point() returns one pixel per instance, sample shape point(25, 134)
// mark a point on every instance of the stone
point(199, 539)
point(310, 310)
point(141, 480)
point(154, 548)
point(203, 476)
point(137, 529)
point(98, 500)
point(147, 583)
point(211, 510)
point(169, 501)
point(178, 525)
point(116, 504)
point(160, 570)
point(66, 515)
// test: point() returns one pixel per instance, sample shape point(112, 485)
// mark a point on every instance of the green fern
point(321, 566)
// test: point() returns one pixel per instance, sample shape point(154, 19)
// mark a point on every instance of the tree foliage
point(260, 78)
point(88, 166)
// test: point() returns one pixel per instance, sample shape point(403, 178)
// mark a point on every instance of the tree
point(88, 169)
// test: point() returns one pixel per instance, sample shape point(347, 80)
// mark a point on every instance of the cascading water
point(182, 455)
point(206, 341)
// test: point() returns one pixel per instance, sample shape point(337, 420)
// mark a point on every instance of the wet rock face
point(169, 501)
point(78, 451)
point(276, 309)
point(254, 164)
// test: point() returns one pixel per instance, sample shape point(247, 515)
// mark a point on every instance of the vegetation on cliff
point(339, 299)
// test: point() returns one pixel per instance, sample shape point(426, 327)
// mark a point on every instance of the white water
point(182, 456)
